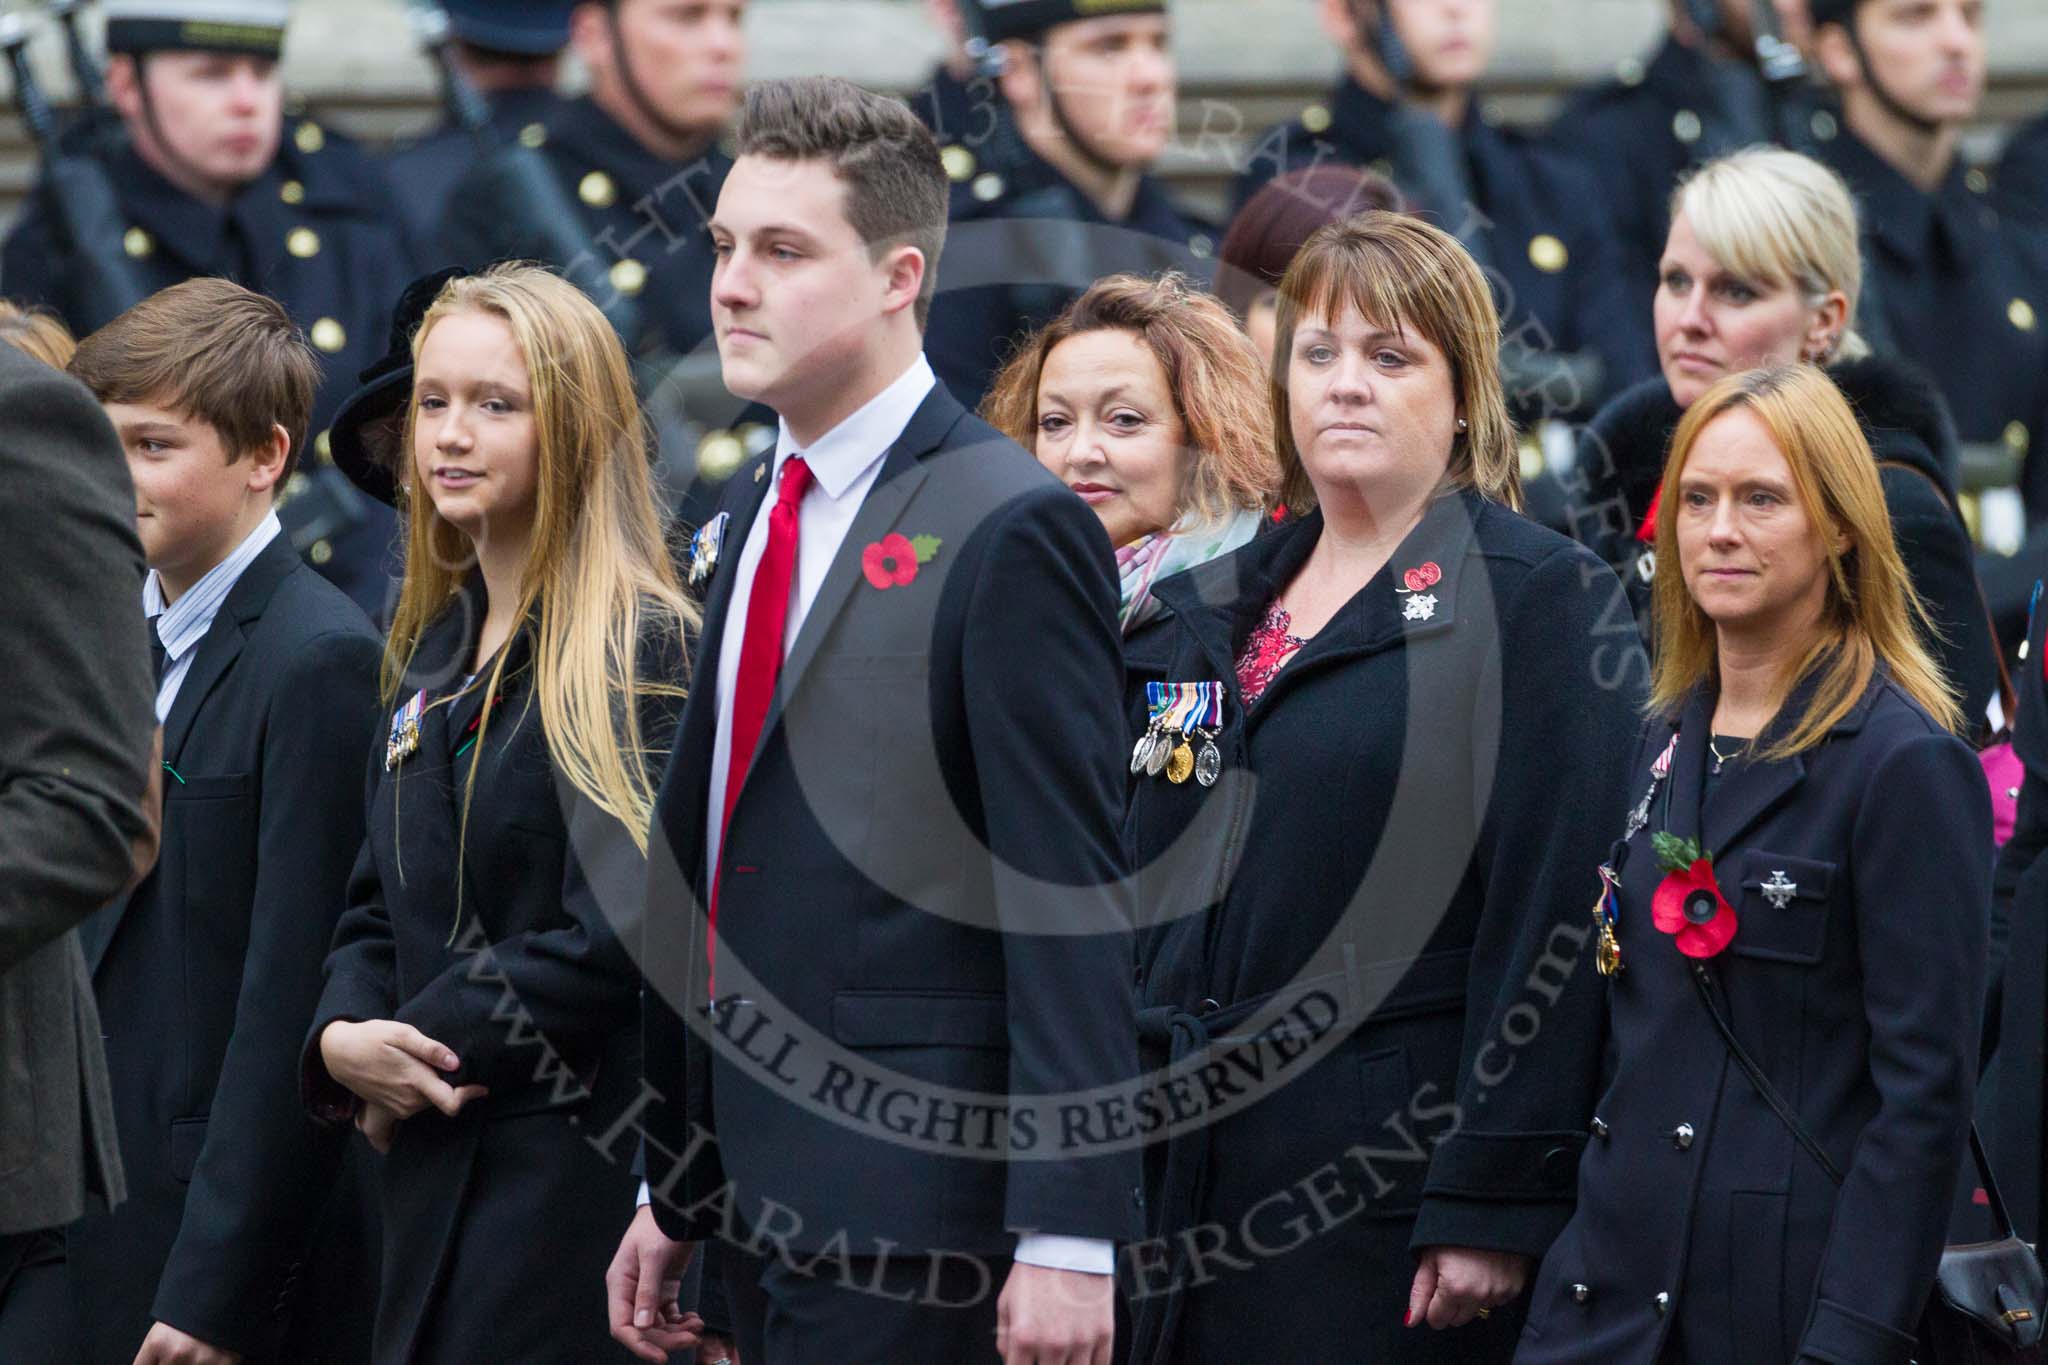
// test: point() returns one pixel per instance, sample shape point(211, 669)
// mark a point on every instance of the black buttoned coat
point(1857, 991)
point(1403, 844)
point(498, 1223)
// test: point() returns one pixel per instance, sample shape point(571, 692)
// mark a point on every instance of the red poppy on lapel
point(1688, 903)
point(1424, 577)
point(892, 561)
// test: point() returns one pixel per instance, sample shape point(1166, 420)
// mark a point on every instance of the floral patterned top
point(1266, 652)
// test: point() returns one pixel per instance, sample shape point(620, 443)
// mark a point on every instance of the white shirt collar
point(839, 457)
point(185, 622)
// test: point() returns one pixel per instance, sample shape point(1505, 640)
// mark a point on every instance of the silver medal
point(1209, 762)
point(1779, 891)
point(1142, 750)
point(1162, 749)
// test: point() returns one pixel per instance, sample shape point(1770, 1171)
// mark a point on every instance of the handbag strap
point(1702, 980)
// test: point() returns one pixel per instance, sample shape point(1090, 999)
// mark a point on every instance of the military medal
point(1606, 910)
point(1778, 891)
point(404, 740)
point(1181, 713)
point(705, 546)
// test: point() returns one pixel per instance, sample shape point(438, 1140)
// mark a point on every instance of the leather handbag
point(1989, 1299)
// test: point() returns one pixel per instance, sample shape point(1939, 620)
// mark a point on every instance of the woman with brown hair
point(1365, 989)
point(1146, 400)
point(1798, 912)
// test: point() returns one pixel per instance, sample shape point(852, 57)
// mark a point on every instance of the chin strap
point(635, 92)
point(1075, 138)
point(1927, 127)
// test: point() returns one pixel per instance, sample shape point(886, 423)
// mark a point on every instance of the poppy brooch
point(893, 561)
point(1688, 903)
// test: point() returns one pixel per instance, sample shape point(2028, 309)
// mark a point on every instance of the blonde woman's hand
point(384, 1062)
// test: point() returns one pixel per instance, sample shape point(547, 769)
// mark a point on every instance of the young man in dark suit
point(897, 790)
point(207, 973)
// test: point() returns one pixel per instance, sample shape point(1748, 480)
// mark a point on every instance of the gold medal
point(1180, 764)
point(1608, 955)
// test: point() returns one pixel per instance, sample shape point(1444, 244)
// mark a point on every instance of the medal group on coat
point(784, 723)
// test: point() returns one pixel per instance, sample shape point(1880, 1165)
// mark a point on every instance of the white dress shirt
point(183, 624)
point(844, 464)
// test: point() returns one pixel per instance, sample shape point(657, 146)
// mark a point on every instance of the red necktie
point(761, 646)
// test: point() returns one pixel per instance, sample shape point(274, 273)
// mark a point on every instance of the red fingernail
point(1408, 1317)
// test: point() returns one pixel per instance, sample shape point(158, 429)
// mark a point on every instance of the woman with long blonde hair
point(1794, 930)
point(476, 1019)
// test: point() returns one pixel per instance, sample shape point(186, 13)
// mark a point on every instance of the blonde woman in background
point(480, 996)
point(1763, 267)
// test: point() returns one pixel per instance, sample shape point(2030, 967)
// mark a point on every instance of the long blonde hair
point(1401, 272)
point(1871, 614)
point(599, 582)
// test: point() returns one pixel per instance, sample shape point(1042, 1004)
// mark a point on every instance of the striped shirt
point(183, 624)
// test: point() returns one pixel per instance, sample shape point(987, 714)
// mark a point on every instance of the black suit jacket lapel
point(902, 474)
point(223, 640)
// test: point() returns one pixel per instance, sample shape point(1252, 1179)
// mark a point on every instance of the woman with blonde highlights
point(1799, 917)
point(1764, 267)
point(1147, 401)
point(480, 993)
point(1352, 734)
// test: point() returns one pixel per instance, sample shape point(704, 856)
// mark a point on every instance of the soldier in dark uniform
point(510, 51)
point(639, 154)
point(959, 103)
point(213, 179)
point(1961, 290)
point(1061, 193)
point(2023, 171)
point(1408, 109)
point(1699, 96)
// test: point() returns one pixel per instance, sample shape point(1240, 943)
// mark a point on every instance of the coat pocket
point(1781, 903)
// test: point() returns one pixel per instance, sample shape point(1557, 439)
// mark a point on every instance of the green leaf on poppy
point(926, 547)
point(1673, 853)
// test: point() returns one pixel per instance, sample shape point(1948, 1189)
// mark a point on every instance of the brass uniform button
point(988, 187)
point(295, 485)
point(1548, 254)
point(534, 135)
point(1316, 118)
point(1201, 246)
point(756, 437)
point(959, 163)
point(1685, 126)
point(597, 190)
point(303, 243)
point(629, 277)
point(309, 137)
point(718, 455)
point(1492, 114)
point(1629, 71)
point(2017, 438)
point(2021, 313)
point(1824, 126)
point(328, 335)
point(321, 552)
point(1382, 168)
point(292, 192)
point(1978, 182)
point(323, 447)
point(138, 243)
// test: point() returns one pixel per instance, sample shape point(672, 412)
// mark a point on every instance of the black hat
point(252, 28)
point(369, 456)
point(520, 28)
point(999, 20)
point(1832, 11)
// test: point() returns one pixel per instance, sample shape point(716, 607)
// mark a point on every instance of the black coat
point(498, 1224)
point(2010, 1101)
point(1963, 292)
point(1559, 285)
point(426, 171)
point(1024, 243)
point(941, 755)
point(1856, 989)
point(317, 232)
point(207, 976)
point(1621, 462)
point(1404, 873)
point(2023, 170)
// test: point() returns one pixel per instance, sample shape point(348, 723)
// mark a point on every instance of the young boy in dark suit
point(206, 975)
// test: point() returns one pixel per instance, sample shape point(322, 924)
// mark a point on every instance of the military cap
point(520, 28)
point(364, 440)
point(243, 27)
point(1832, 11)
point(1000, 20)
